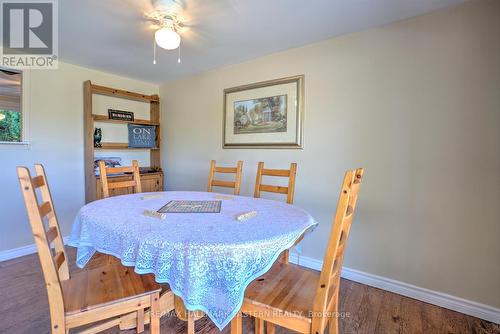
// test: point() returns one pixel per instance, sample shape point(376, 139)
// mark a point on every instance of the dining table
point(207, 258)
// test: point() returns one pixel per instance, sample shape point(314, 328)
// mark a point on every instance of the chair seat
point(285, 288)
point(105, 285)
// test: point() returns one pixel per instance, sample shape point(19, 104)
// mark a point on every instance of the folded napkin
point(154, 214)
point(224, 197)
point(152, 196)
point(246, 216)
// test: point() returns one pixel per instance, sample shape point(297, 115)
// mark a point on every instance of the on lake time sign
point(141, 136)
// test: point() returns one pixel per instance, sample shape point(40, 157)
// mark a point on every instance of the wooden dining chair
point(289, 191)
point(228, 184)
point(93, 295)
point(289, 173)
point(107, 186)
point(300, 299)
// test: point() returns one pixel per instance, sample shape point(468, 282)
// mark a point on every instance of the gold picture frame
point(267, 114)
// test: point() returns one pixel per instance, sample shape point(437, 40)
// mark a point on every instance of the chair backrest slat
point(121, 184)
point(119, 170)
point(45, 209)
point(230, 170)
point(329, 283)
point(273, 189)
point(227, 184)
point(236, 184)
point(289, 190)
point(38, 181)
point(59, 259)
point(107, 186)
point(276, 172)
point(55, 268)
point(51, 234)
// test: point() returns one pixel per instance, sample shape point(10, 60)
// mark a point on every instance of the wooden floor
point(24, 308)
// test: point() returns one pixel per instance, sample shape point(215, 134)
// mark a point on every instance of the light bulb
point(167, 38)
point(2, 117)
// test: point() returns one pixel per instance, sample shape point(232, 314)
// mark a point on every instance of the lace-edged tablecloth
point(208, 259)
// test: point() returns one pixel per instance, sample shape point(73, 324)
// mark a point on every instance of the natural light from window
point(11, 129)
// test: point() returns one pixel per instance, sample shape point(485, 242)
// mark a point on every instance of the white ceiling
point(113, 35)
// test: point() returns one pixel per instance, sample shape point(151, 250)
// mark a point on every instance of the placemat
point(191, 207)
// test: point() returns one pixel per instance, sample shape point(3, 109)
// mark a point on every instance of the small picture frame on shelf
point(141, 136)
point(120, 115)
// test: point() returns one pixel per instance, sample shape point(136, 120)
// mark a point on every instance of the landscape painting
point(261, 115)
point(266, 114)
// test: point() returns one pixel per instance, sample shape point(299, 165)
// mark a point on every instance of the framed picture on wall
point(266, 114)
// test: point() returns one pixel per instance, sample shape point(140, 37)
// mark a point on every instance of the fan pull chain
point(154, 51)
point(179, 54)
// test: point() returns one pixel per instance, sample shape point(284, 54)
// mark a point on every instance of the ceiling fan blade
point(169, 5)
point(8, 72)
point(196, 17)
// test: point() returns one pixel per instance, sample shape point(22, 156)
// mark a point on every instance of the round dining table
point(207, 258)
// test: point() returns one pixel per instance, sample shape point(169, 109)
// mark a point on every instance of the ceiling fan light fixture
point(167, 38)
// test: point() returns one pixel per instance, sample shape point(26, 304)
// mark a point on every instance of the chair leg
point(154, 324)
point(190, 322)
point(236, 325)
point(286, 256)
point(333, 327)
point(140, 320)
point(259, 326)
point(271, 328)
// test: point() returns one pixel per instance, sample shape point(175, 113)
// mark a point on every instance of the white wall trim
point(458, 304)
point(21, 251)
point(461, 305)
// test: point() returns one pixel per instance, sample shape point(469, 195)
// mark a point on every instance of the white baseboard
point(21, 251)
point(458, 304)
point(461, 305)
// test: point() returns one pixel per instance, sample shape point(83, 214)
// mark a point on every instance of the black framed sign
point(120, 115)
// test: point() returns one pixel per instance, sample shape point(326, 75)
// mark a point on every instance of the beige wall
point(417, 104)
point(55, 99)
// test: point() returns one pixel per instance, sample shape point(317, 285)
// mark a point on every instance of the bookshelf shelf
point(104, 118)
point(121, 146)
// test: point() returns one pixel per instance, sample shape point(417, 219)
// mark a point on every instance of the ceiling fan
point(175, 21)
point(167, 20)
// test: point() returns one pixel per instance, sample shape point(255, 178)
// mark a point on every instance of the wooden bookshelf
point(91, 181)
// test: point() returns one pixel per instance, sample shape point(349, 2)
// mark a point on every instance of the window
point(11, 127)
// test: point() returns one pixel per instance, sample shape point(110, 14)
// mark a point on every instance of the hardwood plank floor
point(24, 308)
